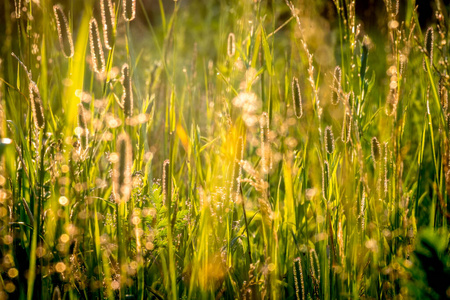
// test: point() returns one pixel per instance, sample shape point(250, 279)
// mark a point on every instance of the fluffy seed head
point(329, 140)
point(296, 98)
point(297, 265)
point(376, 150)
point(108, 22)
point(313, 257)
point(98, 58)
point(56, 294)
point(64, 34)
point(129, 10)
point(391, 102)
point(429, 39)
point(336, 87)
point(127, 95)
point(346, 128)
point(18, 8)
point(231, 48)
point(36, 105)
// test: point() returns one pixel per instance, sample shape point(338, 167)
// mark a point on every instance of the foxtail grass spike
point(336, 87)
point(18, 8)
point(429, 40)
point(348, 118)
point(122, 169)
point(297, 98)
point(351, 101)
point(129, 10)
point(394, 6)
point(127, 95)
point(376, 150)
point(313, 257)
point(231, 46)
point(346, 128)
point(108, 22)
point(56, 294)
point(98, 58)
point(36, 105)
point(329, 140)
point(64, 33)
point(298, 262)
point(391, 103)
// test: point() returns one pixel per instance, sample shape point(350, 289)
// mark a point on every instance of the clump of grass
point(185, 172)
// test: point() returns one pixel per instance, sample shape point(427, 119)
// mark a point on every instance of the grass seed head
point(376, 150)
point(429, 40)
point(336, 86)
point(64, 33)
point(298, 262)
point(98, 58)
point(129, 10)
point(231, 47)
point(18, 8)
point(127, 95)
point(329, 140)
point(346, 128)
point(108, 21)
point(313, 257)
point(296, 98)
point(56, 294)
point(36, 105)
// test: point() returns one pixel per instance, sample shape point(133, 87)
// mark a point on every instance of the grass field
point(229, 149)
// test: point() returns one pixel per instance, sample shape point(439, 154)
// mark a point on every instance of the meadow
point(234, 149)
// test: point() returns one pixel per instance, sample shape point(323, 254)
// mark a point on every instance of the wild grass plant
point(223, 150)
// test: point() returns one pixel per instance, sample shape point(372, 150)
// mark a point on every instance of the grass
point(223, 150)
